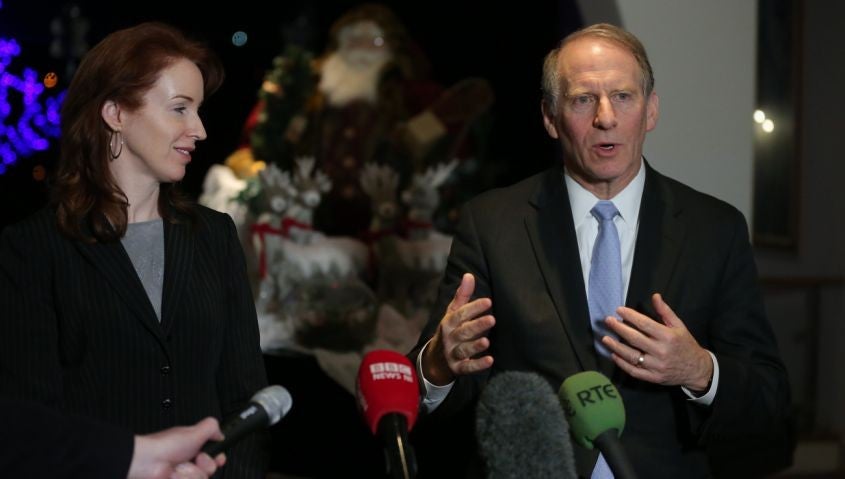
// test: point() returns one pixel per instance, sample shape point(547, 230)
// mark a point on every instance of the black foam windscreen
point(521, 429)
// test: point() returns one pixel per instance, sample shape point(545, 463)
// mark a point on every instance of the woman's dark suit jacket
point(39, 443)
point(79, 333)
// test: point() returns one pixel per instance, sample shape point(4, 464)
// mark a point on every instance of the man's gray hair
point(551, 72)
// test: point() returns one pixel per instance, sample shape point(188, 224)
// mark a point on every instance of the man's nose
point(605, 116)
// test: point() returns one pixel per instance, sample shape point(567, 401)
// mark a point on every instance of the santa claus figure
point(366, 100)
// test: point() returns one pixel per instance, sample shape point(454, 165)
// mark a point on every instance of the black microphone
point(521, 429)
point(265, 408)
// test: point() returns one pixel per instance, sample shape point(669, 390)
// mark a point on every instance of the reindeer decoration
point(380, 184)
point(293, 254)
point(426, 249)
point(276, 194)
point(296, 244)
point(308, 188)
point(407, 268)
point(422, 198)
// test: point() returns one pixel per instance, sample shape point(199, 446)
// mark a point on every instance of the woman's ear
point(111, 114)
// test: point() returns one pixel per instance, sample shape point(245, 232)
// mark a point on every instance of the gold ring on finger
point(640, 360)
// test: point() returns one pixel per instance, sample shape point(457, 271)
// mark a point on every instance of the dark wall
point(504, 43)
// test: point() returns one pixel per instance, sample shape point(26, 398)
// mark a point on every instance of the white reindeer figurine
point(299, 246)
point(408, 268)
point(422, 198)
point(308, 190)
point(293, 252)
point(276, 194)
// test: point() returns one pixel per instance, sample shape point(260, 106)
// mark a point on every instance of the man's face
point(602, 114)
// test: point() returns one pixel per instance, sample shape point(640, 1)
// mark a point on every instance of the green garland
point(284, 94)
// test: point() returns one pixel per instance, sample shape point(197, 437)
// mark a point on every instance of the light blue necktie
point(605, 293)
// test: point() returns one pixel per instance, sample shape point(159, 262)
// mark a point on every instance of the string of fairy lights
point(29, 108)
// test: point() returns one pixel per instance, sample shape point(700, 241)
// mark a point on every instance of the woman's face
point(160, 136)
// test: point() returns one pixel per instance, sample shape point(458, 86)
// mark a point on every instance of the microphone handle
point(609, 445)
point(250, 419)
point(401, 463)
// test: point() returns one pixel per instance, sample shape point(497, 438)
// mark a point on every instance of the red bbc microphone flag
point(387, 383)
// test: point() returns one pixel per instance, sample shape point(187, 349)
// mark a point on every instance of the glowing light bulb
point(768, 126)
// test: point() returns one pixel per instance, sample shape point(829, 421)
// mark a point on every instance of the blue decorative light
point(28, 120)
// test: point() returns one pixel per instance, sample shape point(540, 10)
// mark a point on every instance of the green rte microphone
point(592, 405)
point(596, 416)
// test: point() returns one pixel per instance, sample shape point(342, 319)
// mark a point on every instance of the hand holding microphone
point(265, 408)
point(388, 396)
point(596, 417)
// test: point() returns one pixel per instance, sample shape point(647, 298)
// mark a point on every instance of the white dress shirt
point(627, 222)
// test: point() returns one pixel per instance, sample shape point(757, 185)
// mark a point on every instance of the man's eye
point(581, 102)
point(622, 96)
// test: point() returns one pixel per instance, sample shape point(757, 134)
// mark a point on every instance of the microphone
point(388, 395)
point(521, 429)
point(597, 417)
point(266, 408)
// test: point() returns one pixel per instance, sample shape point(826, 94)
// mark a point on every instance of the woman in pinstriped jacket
point(121, 300)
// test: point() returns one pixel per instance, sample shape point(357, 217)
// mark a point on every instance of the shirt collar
point(626, 201)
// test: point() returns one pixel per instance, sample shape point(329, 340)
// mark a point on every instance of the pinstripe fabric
point(78, 447)
point(79, 333)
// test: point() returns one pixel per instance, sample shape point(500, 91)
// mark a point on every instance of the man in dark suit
point(689, 348)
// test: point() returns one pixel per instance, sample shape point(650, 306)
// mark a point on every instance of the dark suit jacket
point(78, 332)
point(520, 244)
point(40, 443)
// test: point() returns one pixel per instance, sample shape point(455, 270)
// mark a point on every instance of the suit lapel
point(552, 234)
point(111, 260)
point(178, 261)
point(658, 247)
